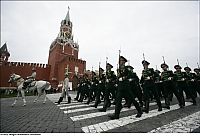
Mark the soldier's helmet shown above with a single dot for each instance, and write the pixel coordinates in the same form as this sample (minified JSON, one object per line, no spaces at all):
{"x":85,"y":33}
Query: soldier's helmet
{"x":33,"y":69}
{"x":177,"y":67}
{"x":145,"y":62}
{"x":187,"y":68}
{"x":109,"y":65}
{"x":123,"y":59}
{"x":197,"y":70}
{"x":164,"y":65}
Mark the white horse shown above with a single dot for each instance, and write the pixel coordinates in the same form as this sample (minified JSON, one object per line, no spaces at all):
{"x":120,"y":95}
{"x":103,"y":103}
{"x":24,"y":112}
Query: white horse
{"x":38,"y":85}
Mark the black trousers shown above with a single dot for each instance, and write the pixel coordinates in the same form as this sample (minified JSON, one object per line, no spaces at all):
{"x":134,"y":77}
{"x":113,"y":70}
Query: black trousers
{"x":110,"y":88}
{"x":123,"y":91}
{"x":150,"y":90}
{"x":100,"y":89}
{"x":169,"y":88}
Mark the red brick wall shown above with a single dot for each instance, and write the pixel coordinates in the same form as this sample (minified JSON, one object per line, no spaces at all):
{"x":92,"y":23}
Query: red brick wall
{"x":23,"y":69}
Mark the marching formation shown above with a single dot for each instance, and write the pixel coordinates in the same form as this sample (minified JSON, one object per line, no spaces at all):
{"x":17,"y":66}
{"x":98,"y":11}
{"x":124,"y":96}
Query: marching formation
{"x":153,"y":84}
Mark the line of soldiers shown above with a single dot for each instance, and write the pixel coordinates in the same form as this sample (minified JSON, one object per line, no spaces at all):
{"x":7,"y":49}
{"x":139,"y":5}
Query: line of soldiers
{"x":126,"y":84}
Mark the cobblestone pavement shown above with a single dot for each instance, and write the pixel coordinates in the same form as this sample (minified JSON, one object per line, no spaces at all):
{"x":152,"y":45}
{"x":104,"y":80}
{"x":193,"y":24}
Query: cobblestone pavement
{"x":79,"y":118}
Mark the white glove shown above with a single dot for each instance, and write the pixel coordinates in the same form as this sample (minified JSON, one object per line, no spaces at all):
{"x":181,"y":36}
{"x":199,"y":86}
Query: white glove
{"x":192,"y":79}
{"x":148,"y":77}
{"x":116,"y":85}
{"x":99,"y":81}
{"x":107,"y":80}
{"x":183,"y":79}
{"x":120,"y":79}
{"x":130,"y":80}
{"x":170,"y":78}
{"x":92,"y":83}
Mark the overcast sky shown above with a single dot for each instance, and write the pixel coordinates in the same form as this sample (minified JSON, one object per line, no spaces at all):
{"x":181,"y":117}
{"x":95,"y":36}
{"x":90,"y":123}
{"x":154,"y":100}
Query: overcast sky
{"x":157,"y":29}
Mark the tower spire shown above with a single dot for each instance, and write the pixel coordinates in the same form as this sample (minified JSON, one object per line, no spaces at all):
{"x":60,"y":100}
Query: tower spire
{"x":67,"y":18}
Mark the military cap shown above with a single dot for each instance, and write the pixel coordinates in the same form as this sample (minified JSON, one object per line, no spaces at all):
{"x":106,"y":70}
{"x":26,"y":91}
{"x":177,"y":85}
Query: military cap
{"x":196,"y":69}
{"x":109,"y":65}
{"x":163,"y":65}
{"x":101,"y":69}
{"x":66,"y":74}
{"x":122,"y":58}
{"x":130,"y":67}
{"x":145,"y":62}
{"x":177,"y":66}
{"x":185,"y":68}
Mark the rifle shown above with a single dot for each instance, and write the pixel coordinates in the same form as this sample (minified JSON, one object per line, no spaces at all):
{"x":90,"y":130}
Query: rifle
{"x":177,"y":61}
{"x":143,"y":56}
{"x":99,"y":69}
{"x":118,"y":63}
{"x":163,"y":59}
{"x":198,"y":65}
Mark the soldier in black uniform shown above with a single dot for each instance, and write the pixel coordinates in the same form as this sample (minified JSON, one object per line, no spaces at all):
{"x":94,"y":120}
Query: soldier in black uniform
{"x":124,"y":90}
{"x":109,"y":87}
{"x":85,"y":88}
{"x":179,"y":78}
{"x":190,"y":81}
{"x":169,"y":86}
{"x":93,"y":89}
{"x":148,"y":85}
{"x":79,"y":88}
{"x":197,"y":80}
{"x":135,"y":87}
{"x":100,"y":87}
{"x":158,"y":83}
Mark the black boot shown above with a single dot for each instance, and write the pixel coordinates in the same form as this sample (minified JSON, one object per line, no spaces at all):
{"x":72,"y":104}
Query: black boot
{"x":60,"y":100}
{"x":102,"y":110}
{"x":69,"y":100}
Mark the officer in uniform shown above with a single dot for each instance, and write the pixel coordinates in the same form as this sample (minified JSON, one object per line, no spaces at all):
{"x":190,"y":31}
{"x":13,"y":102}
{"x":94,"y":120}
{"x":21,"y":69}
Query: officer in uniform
{"x":169,"y":87}
{"x":190,"y":81}
{"x":158,"y":83}
{"x":124,"y":90}
{"x":179,"y":78}
{"x":93,"y":88}
{"x":65,"y":90}
{"x":197,"y":80}
{"x":100,"y":87}
{"x":109,"y":87}
{"x":30,"y":79}
{"x":135,"y":87}
{"x":79,"y":88}
{"x":85,"y":89}
{"x":148,"y":85}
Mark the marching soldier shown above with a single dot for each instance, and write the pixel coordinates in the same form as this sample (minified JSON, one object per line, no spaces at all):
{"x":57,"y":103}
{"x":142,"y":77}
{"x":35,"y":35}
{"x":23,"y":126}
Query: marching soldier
{"x":93,"y":88}
{"x":100,"y":87}
{"x":109,"y":87}
{"x":158,"y":83}
{"x":181,"y":85}
{"x":65,"y":90}
{"x":85,"y":89}
{"x":135,"y":87}
{"x":148,"y":85}
{"x":197,"y":80}
{"x":79,"y":88}
{"x":190,"y":81}
{"x":124,"y":90}
{"x":169,"y":87}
